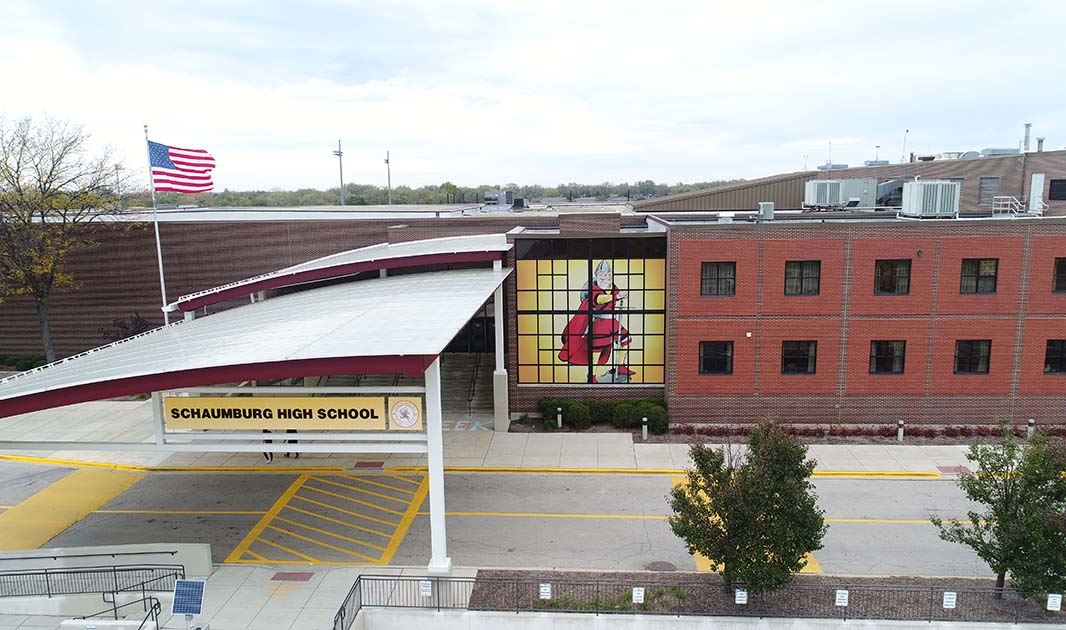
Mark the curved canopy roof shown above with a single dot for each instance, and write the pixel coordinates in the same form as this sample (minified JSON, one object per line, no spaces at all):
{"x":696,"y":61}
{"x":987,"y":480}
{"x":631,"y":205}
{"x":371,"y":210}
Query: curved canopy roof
{"x":396,"y":324}
{"x":455,"y":249}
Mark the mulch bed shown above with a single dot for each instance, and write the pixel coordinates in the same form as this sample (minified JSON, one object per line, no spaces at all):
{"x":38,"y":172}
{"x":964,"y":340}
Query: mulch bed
{"x":811,"y":596}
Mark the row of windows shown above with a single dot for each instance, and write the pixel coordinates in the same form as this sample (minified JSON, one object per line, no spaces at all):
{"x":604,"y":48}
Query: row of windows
{"x":891,"y":277}
{"x":886,"y":357}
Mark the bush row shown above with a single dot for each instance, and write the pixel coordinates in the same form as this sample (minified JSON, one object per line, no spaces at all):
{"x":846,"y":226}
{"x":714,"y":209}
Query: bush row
{"x":626,"y":414}
{"x":719,"y":430}
{"x":20,"y":363}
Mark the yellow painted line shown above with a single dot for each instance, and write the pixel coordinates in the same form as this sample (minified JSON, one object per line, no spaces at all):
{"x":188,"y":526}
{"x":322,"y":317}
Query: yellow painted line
{"x":188,"y":512}
{"x":357,"y":489}
{"x":329,"y":533}
{"x":413,"y":483}
{"x":811,"y":565}
{"x":326,"y":545}
{"x":663,"y":517}
{"x":363,"y":479}
{"x":873,"y":474}
{"x":46,"y":514}
{"x":360,"y":502}
{"x":77,"y":463}
{"x":338,"y":521}
{"x":405,"y":522}
{"x":344,"y":511}
{"x":287,"y":550}
{"x":255,"y":532}
{"x":256,"y":556}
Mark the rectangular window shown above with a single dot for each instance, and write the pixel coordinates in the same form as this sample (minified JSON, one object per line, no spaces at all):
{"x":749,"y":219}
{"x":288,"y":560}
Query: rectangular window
{"x":886,"y":357}
{"x":892,"y":277}
{"x":718,"y":278}
{"x":802,"y":277}
{"x":1057,"y":190}
{"x":979,"y":275}
{"x":1055,"y":358}
{"x":798,"y":357}
{"x":716,"y":357}
{"x":971,"y":356}
{"x":987,"y":188}
{"x":1060,"y":275}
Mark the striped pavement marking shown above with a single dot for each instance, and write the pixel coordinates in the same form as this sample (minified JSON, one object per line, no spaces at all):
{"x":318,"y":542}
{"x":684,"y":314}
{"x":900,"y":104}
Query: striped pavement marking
{"x":335,"y":519}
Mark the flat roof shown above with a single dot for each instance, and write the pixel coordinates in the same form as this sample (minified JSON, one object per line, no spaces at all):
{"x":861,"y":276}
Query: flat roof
{"x":392,"y":324}
{"x":381,"y":256}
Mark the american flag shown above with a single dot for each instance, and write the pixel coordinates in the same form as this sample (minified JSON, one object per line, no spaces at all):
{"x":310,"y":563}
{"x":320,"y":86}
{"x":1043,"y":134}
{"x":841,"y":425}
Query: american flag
{"x":180,"y":170}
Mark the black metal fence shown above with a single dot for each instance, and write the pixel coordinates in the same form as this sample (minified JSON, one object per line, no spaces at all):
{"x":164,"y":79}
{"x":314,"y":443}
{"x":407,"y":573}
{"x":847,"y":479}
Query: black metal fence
{"x":830,"y":601}
{"x":75,"y":581}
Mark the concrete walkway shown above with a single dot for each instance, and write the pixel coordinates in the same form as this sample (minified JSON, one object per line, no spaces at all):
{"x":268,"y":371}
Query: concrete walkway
{"x":130,"y":421}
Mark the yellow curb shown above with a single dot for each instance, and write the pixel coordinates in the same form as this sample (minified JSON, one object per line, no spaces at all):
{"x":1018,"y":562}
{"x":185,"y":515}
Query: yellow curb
{"x":889,"y":474}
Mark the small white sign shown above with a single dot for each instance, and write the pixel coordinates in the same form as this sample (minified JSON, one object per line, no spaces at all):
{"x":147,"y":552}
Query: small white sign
{"x":949,"y":600}
{"x":842,"y":597}
{"x":638,"y":594}
{"x":425,"y":588}
{"x":741,"y":596}
{"x":1054,"y":601}
{"x":545,"y":591}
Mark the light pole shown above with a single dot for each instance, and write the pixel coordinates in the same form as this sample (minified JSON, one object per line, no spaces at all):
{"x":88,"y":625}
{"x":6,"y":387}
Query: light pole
{"x":118,"y":186}
{"x":903,"y":158}
{"x":388,"y":172}
{"x":340,"y":164}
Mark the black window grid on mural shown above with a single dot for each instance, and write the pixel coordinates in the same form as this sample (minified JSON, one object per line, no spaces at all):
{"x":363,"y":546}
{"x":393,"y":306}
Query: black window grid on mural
{"x":623,"y":345}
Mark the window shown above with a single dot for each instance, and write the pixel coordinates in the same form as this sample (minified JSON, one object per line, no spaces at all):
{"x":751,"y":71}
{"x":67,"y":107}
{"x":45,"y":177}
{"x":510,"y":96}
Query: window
{"x":979,"y":275}
{"x":892,"y":277}
{"x":987,"y":188}
{"x":886,"y":357}
{"x":1060,"y":274}
{"x":798,"y":357}
{"x":1057,"y":190}
{"x":1055,"y":358}
{"x":802,"y":277}
{"x":716,"y":357}
{"x":971,"y":357}
{"x":718,"y":278}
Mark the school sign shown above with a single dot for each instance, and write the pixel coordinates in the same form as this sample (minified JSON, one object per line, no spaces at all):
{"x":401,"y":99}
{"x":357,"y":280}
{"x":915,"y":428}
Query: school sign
{"x":303,"y":413}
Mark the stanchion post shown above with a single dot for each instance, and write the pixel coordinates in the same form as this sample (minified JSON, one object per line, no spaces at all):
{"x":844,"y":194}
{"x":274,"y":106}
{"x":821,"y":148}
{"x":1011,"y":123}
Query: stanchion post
{"x":899,"y":432}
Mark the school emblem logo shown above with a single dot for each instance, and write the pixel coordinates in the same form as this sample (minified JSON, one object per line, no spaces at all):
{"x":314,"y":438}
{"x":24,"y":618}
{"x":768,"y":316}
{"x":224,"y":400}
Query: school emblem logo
{"x":404,"y":414}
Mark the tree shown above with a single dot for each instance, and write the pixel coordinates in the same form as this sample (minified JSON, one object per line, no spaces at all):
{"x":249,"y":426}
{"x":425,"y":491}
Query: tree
{"x":50,"y":188}
{"x":755,"y":517}
{"x":1022,"y":530}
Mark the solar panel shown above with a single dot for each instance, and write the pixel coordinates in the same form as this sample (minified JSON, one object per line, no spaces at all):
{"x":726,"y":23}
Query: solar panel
{"x":188,"y":597}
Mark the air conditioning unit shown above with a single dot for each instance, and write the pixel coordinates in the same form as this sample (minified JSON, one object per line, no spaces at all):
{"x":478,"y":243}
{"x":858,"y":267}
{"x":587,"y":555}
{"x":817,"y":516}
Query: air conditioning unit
{"x":930,"y":199}
{"x":851,"y":192}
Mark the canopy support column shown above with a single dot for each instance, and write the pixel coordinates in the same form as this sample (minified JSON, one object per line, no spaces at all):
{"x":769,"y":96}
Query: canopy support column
{"x":439,"y":562}
{"x":501,"y":407}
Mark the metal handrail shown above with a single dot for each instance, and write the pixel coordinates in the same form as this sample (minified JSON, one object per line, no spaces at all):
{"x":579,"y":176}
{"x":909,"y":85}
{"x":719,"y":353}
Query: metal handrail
{"x":91,"y":555}
{"x":51,"y":582}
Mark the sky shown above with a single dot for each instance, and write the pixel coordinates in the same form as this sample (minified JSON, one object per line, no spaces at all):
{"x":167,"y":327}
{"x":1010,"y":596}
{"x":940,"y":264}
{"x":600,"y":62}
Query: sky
{"x":539,"y":91}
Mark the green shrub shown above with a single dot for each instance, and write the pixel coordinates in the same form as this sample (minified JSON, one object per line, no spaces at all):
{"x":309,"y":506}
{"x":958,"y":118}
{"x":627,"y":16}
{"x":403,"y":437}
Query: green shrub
{"x":602,"y":411}
{"x":25,"y":363}
{"x":576,"y":415}
{"x":626,"y":416}
{"x":547,"y":408}
{"x":656,"y":400}
{"x":658,"y":419}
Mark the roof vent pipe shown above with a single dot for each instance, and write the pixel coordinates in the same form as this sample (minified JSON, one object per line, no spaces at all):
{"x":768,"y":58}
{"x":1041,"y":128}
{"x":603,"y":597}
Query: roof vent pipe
{"x":1039,"y":145}
{"x":1025,"y":143}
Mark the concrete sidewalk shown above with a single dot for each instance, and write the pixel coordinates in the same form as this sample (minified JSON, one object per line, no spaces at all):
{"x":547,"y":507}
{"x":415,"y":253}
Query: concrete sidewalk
{"x":130,"y":421}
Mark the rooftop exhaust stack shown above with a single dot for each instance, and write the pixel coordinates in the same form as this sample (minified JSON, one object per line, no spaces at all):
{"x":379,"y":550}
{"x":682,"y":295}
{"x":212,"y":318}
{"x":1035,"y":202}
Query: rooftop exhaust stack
{"x":766,"y":211}
{"x":1025,"y":143}
{"x":1039,"y":144}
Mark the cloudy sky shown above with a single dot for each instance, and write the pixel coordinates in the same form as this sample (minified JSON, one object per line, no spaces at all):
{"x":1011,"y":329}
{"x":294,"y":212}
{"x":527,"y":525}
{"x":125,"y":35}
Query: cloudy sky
{"x":538,"y":91}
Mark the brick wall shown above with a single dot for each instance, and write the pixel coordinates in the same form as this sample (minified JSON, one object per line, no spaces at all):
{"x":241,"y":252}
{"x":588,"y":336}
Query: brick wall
{"x":847,"y":315}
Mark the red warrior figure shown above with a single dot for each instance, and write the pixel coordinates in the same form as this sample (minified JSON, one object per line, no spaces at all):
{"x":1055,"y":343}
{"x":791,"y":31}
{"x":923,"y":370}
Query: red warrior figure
{"x":601,"y":333}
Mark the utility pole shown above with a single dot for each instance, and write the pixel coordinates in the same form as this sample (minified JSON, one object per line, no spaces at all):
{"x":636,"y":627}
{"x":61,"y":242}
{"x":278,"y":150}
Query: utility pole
{"x":340,"y":163}
{"x":118,"y":186}
{"x":388,"y":172}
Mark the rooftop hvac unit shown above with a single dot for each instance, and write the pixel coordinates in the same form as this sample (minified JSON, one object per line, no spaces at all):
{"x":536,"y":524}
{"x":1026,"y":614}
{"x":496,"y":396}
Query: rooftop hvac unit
{"x":853,"y":193}
{"x":929,"y":199}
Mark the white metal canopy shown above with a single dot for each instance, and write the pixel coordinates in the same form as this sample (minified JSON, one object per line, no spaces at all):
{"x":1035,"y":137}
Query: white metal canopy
{"x":403,"y":315}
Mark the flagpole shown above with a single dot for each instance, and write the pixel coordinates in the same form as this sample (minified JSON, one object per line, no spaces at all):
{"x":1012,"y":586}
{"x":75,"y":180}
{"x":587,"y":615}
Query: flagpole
{"x":155,"y":220}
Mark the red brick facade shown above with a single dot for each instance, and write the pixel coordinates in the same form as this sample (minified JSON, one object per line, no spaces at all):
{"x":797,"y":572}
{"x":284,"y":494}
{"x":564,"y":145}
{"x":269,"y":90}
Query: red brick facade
{"x":846,"y":315}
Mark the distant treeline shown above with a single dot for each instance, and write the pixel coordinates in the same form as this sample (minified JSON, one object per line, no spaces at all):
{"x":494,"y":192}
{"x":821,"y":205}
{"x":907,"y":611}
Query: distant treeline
{"x":362,"y":194}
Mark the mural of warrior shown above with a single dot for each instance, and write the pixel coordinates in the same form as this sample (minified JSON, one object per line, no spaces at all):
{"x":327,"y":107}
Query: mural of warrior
{"x":595,"y":331}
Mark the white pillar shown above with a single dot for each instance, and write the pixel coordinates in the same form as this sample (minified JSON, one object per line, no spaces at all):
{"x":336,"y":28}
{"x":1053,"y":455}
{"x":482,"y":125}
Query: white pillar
{"x":157,"y":416}
{"x":501,"y":408}
{"x":383,"y":273}
{"x":439,"y":562}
